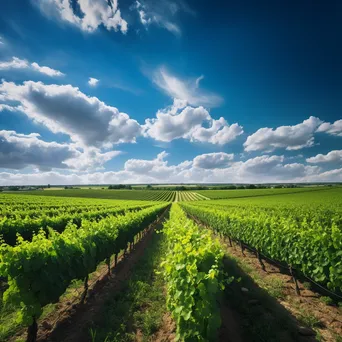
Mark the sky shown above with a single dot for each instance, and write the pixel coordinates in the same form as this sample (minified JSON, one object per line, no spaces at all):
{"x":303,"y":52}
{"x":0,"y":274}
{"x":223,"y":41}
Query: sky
{"x":170,"y":91}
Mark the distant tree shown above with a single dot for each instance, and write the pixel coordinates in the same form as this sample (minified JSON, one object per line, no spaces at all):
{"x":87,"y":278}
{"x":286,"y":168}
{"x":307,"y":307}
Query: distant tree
{"x":251,"y":186}
{"x":149,"y":187}
{"x":120,"y":186}
{"x":49,"y":186}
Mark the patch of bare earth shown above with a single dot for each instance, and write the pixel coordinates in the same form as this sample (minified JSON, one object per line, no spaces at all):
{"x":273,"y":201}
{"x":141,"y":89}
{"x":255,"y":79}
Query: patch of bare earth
{"x":70,"y":320}
{"x":73,"y":324}
{"x":308,"y":310}
{"x":166,"y":332}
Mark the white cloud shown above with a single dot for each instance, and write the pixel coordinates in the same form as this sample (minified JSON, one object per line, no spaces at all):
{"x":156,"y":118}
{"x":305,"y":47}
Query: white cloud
{"x":333,"y":129}
{"x":334,"y":175}
{"x":91,"y":158}
{"x":93,"y":81}
{"x":262,"y":169}
{"x":17,"y":63}
{"x":177,"y":122}
{"x":260,"y":165}
{"x":156,"y":15}
{"x":218,"y":133}
{"x":213,"y":160}
{"x":332,"y":157}
{"x":46,"y":70}
{"x":142,"y":166}
{"x":7,"y":107}
{"x":289,"y":137}
{"x":93,"y":13}
{"x":154,"y":169}
{"x":186,"y":90}
{"x":65,"y":109}
{"x":18,"y":151}
{"x":2,"y":41}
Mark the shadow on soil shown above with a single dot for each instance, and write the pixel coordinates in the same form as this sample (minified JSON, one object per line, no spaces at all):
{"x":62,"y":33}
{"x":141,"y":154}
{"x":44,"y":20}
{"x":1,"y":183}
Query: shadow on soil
{"x":256,"y":315}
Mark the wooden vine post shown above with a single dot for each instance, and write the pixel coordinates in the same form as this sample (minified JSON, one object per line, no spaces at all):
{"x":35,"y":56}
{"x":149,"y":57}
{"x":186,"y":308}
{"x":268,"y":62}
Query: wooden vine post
{"x":295,"y":280}
{"x":108,"y":264}
{"x":230,"y":241}
{"x":84,"y":294}
{"x":32,"y":331}
{"x":242,"y":248}
{"x":260,"y":260}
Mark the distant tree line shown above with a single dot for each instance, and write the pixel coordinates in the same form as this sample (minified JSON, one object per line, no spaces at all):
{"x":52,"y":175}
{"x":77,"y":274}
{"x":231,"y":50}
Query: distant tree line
{"x":200,"y":187}
{"x":120,"y":186}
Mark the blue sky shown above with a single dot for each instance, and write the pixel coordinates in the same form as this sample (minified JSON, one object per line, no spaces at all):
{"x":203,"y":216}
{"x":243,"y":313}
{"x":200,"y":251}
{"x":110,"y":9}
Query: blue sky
{"x":170,"y":91}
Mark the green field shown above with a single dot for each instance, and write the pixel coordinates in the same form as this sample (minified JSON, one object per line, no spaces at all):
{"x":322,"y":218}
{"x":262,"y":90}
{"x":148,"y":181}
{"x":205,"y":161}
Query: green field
{"x":54,"y":240}
{"x":221,"y":194}
{"x":137,"y":195}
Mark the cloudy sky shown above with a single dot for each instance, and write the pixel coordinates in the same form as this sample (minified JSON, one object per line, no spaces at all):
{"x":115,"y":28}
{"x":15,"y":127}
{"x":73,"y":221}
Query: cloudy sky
{"x":113,"y":91}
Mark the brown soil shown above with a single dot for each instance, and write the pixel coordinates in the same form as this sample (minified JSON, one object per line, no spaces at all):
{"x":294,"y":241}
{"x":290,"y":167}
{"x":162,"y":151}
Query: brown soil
{"x":327,"y":318}
{"x":249,"y":310}
{"x":71,"y":326}
{"x":70,"y":322}
{"x":230,"y":330}
{"x":166,"y":333}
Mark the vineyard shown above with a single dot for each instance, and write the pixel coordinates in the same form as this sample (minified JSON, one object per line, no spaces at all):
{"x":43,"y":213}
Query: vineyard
{"x":226,"y":194}
{"x":53,"y":243}
{"x":140,"y":195}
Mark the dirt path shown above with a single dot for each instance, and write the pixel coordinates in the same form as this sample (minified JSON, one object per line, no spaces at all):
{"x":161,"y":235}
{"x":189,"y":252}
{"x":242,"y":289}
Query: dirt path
{"x":72,"y":324}
{"x":271,"y":294}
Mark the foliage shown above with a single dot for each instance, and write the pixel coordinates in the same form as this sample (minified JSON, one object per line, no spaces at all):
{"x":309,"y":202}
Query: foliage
{"x":193,"y":272}
{"x":120,"y":186}
{"x":254,"y":191}
{"x":39,"y":272}
{"x":26,"y":218}
{"x":308,"y":237}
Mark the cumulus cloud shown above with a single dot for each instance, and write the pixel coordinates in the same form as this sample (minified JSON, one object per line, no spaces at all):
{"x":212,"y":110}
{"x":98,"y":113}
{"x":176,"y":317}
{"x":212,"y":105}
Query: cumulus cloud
{"x":157,"y":168}
{"x":331,"y":157}
{"x":7,"y":107}
{"x":177,"y":122}
{"x":260,"y":165}
{"x":90,"y":158}
{"x":333,"y":129}
{"x":65,"y":109}
{"x":142,"y":166}
{"x":186,"y":90}
{"x":262,"y":169}
{"x":289,"y":137}
{"x":90,"y":14}
{"x":18,"y":151}
{"x":93,"y":81}
{"x":46,"y":70}
{"x":213,"y":160}
{"x":17,"y":63}
{"x":159,"y":13}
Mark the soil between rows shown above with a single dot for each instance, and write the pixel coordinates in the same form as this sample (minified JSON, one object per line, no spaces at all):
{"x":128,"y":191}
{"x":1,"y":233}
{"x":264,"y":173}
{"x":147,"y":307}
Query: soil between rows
{"x":72,"y":325}
{"x":254,"y":315}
